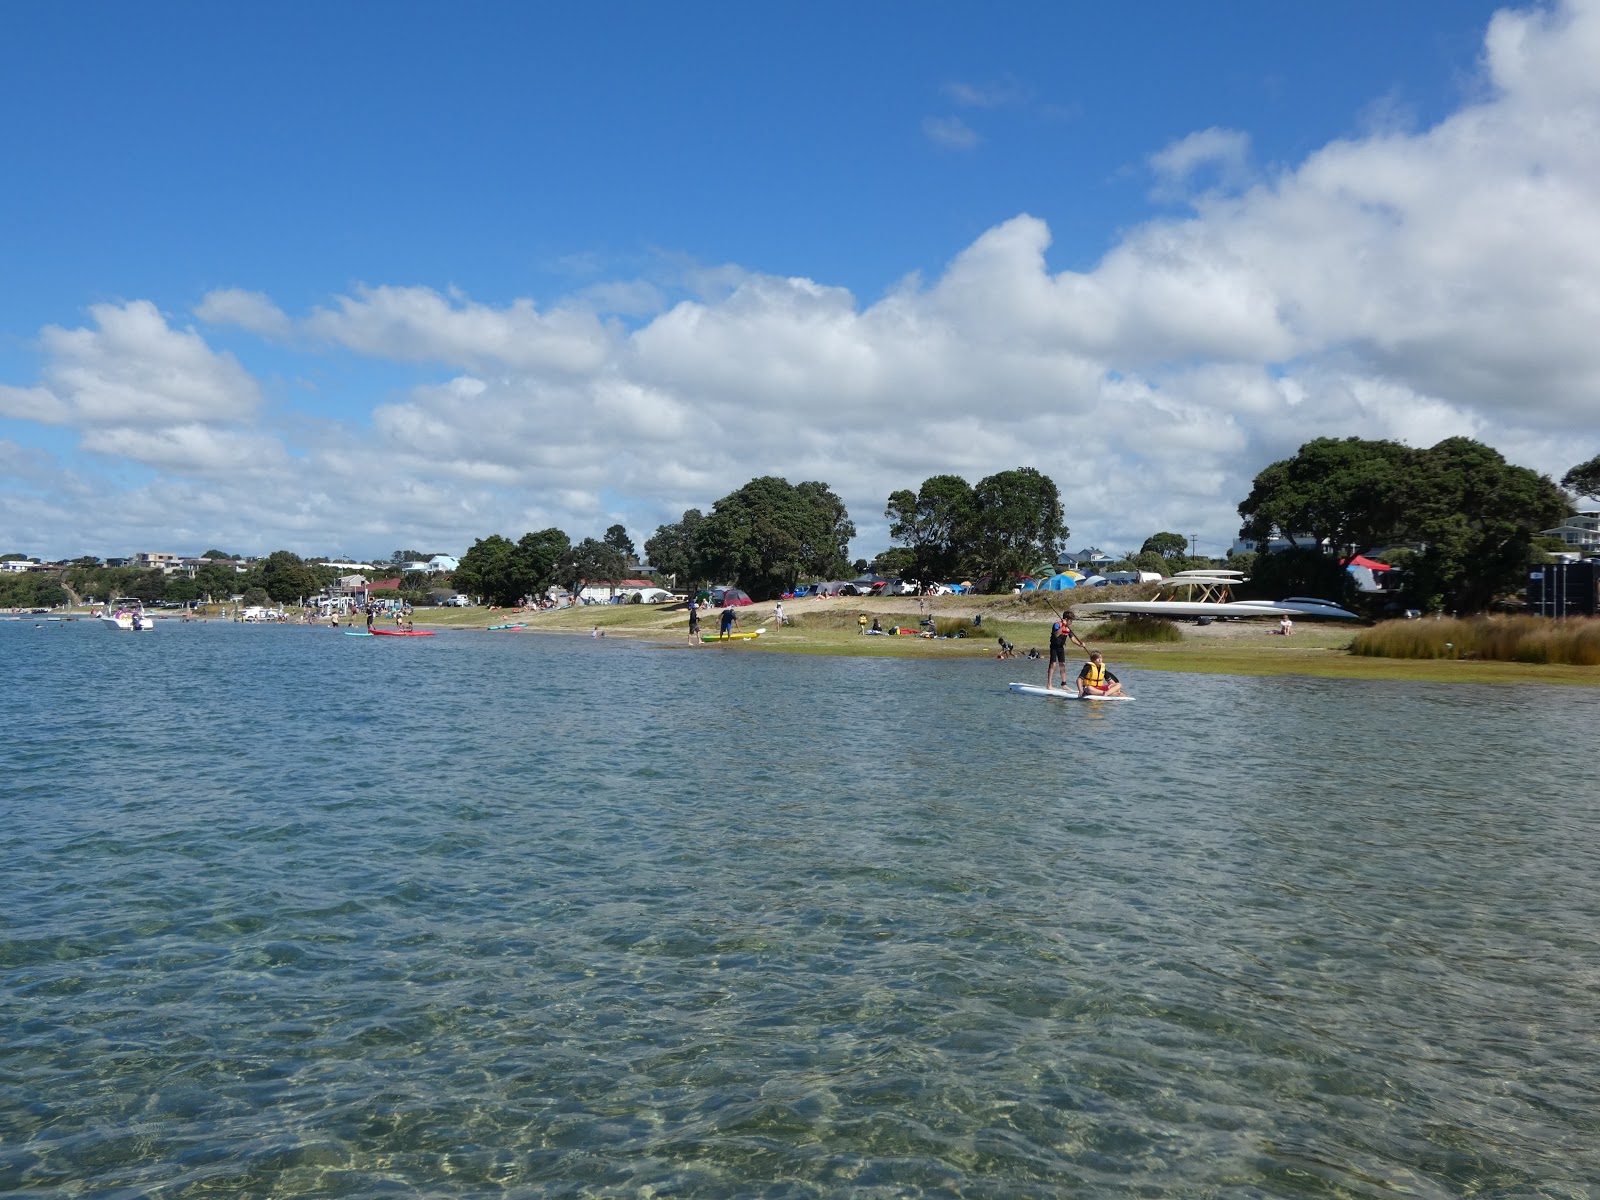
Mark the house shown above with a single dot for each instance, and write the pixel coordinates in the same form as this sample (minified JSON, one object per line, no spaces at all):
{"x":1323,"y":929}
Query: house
{"x":439,"y":563}
{"x":1580,"y":532}
{"x":1091,"y":556}
{"x":16,"y":566}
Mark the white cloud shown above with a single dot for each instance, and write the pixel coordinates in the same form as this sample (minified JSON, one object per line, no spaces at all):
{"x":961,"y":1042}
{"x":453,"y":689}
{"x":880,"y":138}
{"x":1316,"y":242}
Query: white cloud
{"x":951,"y":132}
{"x":415,"y":324}
{"x":248,"y":310}
{"x":134,"y":369}
{"x":1396,"y":284}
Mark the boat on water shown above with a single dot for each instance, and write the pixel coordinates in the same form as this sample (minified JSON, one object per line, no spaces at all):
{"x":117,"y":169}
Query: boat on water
{"x":1210,"y":594}
{"x":126,"y":612}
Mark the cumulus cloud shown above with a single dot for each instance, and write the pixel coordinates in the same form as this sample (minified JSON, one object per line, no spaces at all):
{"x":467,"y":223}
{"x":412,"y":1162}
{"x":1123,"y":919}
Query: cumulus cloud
{"x":1407,"y":284}
{"x":417,"y":324}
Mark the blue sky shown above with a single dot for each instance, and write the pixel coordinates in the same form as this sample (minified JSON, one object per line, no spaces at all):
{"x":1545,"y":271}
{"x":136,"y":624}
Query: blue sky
{"x":352,"y":277}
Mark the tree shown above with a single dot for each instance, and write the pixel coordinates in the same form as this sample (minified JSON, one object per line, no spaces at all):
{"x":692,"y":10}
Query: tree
{"x":590,"y":562}
{"x":400,"y":557}
{"x":896,"y":563}
{"x":1474,"y":514}
{"x":672,"y":550}
{"x":770,"y":532}
{"x":217,"y":554}
{"x":617,"y":538}
{"x":1345,"y":493}
{"x":1017,"y":522}
{"x":217,"y":581}
{"x":1477,"y":516}
{"x":539,"y":558}
{"x":286,"y":577}
{"x":1167,"y":545}
{"x":1584,"y":479}
{"x":935,"y":525}
{"x":492,"y":569}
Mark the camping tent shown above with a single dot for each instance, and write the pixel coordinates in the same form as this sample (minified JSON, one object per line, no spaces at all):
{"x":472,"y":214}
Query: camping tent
{"x":732,"y":598}
{"x":1061,"y":582}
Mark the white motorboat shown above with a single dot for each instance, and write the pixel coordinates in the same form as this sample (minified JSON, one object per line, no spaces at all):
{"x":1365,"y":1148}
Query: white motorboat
{"x":1210,"y":594}
{"x":126,"y":612}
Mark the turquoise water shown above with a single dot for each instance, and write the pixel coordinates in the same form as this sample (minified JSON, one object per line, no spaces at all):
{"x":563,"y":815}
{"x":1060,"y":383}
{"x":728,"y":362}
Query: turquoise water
{"x":293,"y":914}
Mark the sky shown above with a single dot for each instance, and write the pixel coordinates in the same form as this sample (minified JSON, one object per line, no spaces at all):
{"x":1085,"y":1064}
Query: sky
{"x":346,"y":279}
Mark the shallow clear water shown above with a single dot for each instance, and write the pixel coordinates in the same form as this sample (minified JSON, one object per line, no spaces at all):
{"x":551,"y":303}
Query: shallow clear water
{"x":288,"y":913}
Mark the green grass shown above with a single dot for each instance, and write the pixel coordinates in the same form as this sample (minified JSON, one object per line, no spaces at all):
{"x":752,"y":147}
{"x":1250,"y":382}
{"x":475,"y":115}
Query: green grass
{"x":830,"y":628}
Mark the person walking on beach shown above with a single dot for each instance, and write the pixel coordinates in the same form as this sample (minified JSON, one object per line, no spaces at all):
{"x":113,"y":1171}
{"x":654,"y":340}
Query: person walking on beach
{"x":729,"y":616}
{"x":777,"y":614}
{"x":861,"y":623}
{"x":694,"y":623}
{"x":1060,"y":634}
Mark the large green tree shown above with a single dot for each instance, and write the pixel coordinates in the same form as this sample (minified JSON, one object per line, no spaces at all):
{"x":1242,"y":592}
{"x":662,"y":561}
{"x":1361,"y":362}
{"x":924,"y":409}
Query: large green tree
{"x":935,"y":523}
{"x":1018,"y":524}
{"x":539,"y":557}
{"x":1346,"y":493}
{"x":1474,"y":515}
{"x":1166,"y":545}
{"x":770,"y":533}
{"x":492,"y":569}
{"x":672,"y":550}
{"x":287,"y":577}
{"x":1477,"y":517}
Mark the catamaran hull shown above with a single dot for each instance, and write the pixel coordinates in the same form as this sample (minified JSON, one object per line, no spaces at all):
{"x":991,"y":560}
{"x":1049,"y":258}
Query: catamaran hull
{"x":1233,"y":608}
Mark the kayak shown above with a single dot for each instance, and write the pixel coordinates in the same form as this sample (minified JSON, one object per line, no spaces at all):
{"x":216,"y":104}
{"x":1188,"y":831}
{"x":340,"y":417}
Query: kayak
{"x":492,"y":628}
{"x":732,"y":637}
{"x":403,"y":632}
{"x":1033,"y":689}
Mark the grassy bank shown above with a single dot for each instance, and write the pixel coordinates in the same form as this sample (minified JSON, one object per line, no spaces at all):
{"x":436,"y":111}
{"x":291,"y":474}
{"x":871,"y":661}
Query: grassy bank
{"x":831,"y":627}
{"x":1574,"y":641}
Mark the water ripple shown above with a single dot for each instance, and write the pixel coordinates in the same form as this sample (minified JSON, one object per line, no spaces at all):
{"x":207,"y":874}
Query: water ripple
{"x":292,"y":914}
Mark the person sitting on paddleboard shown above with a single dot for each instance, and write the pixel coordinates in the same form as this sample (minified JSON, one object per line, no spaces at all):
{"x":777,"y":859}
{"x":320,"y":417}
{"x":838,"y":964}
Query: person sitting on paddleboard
{"x":1095,"y":680}
{"x":1060,"y":632}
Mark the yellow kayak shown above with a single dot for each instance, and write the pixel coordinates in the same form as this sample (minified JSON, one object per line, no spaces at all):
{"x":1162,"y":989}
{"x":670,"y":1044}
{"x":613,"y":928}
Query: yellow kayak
{"x":732,"y":637}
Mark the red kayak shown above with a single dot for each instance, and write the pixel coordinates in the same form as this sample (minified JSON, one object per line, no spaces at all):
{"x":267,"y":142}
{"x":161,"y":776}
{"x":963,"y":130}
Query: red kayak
{"x":403,"y":632}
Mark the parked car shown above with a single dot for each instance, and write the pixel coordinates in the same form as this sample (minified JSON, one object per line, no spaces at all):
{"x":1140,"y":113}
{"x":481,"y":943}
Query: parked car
{"x":457,"y":601}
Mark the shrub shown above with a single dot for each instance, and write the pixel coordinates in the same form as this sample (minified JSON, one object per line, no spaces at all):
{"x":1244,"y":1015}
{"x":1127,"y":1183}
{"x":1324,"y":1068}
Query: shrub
{"x":1139,"y":629}
{"x":955,"y":627}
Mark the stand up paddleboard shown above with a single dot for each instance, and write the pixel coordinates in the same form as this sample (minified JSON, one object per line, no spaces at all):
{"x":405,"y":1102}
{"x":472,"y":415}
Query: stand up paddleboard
{"x":358,"y":633}
{"x":1033,"y":689}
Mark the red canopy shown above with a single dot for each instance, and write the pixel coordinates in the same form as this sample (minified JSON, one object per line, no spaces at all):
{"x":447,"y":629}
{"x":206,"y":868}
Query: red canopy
{"x":1370,"y":563}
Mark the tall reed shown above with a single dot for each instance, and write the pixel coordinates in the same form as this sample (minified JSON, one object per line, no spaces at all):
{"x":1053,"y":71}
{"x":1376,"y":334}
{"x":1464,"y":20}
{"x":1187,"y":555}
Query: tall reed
{"x":1138,"y":628}
{"x":1574,"y":641}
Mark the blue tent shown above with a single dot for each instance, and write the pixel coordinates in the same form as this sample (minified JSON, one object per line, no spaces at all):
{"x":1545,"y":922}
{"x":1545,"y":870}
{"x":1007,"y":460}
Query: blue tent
{"x":1060,"y":582}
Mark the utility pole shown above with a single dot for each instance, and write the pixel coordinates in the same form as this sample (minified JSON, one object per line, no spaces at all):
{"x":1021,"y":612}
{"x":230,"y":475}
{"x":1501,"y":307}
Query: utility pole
{"x":1194,"y":543}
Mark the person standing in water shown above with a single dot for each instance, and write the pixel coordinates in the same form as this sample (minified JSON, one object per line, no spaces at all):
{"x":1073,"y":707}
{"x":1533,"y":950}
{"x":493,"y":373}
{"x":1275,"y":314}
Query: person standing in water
{"x":694,"y":622}
{"x":1060,"y":634}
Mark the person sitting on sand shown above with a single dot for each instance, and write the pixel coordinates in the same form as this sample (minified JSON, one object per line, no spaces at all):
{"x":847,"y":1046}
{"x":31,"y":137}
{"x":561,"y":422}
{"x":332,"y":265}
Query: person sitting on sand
{"x":876,"y":628}
{"x":1286,"y":626}
{"x":1095,"y":680}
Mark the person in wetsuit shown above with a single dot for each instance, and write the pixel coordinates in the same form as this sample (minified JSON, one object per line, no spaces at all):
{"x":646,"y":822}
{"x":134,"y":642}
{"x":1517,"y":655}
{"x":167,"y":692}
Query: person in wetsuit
{"x":1060,"y":634}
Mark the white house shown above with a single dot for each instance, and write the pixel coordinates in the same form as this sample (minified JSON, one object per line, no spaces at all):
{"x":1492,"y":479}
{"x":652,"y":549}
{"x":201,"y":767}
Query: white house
{"x":1580,"y":531}
{"x":434,"y":565}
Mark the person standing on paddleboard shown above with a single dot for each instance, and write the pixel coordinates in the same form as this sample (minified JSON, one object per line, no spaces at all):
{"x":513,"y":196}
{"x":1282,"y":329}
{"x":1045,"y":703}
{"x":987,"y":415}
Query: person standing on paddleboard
{"x":1095,"y":680}
{"x":1060,"y":634}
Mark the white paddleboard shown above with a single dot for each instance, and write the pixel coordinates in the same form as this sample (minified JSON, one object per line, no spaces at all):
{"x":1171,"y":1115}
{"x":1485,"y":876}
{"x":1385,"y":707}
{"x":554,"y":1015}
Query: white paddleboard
{"x":1033,"y":689}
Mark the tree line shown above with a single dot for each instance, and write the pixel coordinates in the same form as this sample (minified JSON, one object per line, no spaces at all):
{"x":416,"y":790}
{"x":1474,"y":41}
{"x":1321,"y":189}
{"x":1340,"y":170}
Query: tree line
{"x":1461,"y":522}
